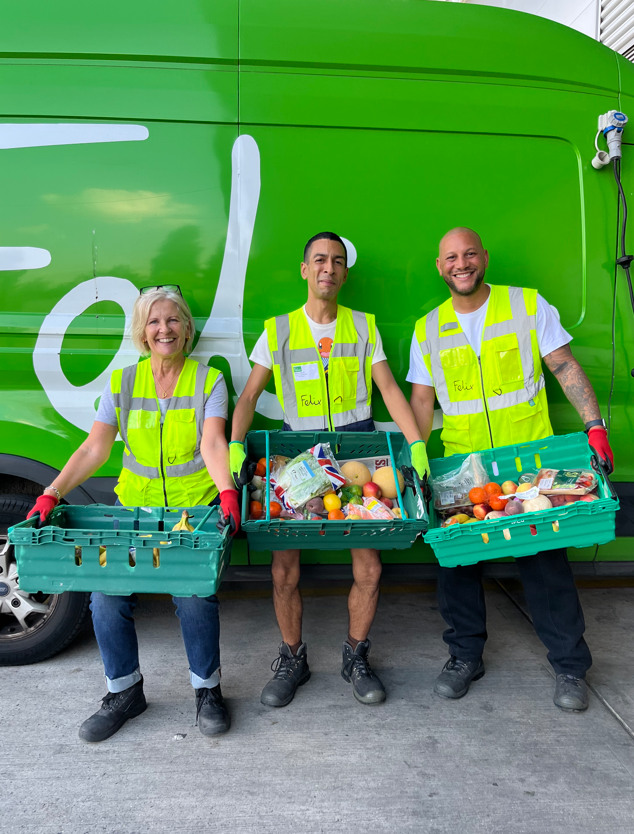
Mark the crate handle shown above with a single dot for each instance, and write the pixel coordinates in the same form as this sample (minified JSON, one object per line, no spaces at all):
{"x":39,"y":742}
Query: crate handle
{"x":203,"y":519}
{"x":603,"y":471}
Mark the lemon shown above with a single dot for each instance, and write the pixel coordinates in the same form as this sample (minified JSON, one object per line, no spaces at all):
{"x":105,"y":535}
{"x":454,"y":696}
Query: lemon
{"x":332,"y":502}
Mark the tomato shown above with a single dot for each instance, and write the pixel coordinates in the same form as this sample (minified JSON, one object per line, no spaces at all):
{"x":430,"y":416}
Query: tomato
{"x":477,"y":495}
{"x":255,"y":510}
{"x":336,"y":515}
{"x":260,"y":467}
{"x":276,"y":509}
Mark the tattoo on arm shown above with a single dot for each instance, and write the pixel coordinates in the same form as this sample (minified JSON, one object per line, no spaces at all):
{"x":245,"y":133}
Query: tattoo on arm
{"x":574,"y":382}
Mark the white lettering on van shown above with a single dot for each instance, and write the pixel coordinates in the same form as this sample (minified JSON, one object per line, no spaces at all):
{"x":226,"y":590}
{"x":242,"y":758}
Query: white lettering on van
{"x":222,"y":334}
{"x":45,"y":135}
{"x":23,"y":257}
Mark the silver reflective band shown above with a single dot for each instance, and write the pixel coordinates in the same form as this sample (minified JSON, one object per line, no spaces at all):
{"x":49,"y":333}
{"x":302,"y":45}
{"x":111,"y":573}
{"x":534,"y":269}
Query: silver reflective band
{"x":284,"y":357}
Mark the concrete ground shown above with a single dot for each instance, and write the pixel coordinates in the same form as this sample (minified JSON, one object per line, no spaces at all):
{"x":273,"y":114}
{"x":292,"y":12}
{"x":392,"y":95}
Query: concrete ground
{"x":502,"y":759}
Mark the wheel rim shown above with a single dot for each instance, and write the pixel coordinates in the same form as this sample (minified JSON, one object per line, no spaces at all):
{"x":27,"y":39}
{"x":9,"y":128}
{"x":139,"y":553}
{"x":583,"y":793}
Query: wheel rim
{"x":21,"y":614}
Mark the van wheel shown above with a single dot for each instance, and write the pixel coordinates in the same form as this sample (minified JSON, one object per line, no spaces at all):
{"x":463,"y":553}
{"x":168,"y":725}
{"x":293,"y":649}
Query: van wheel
{"x":32,"y":626}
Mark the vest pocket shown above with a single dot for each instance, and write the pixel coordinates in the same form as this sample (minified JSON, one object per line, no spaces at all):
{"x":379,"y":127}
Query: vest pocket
{"x":456,"y":434}
{"x":345,"y":381}
{"x":529,"y":422}
{"x":179,"y":436}
{"x":508,"y":360}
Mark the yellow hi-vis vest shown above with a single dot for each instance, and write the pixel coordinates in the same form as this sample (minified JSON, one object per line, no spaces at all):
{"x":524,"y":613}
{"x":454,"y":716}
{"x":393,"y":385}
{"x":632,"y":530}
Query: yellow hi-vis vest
{"x":309,"y":400}
{"x":162,"y":464}
{"x":499,"y":398}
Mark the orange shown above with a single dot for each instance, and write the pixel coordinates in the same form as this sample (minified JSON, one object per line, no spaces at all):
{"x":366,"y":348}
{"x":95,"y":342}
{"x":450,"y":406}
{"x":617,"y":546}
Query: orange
{"x":335,"y":515}
{"x":477,"y":495}
{"x":492,"y":489}
{"x":255,"y":510}
{"x":332,"y":502}
{"x":276,"y":509}
{"x":497,"y":502}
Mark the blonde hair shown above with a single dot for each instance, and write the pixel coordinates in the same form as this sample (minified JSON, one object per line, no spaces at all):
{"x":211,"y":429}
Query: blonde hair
{"x":141,"y":313}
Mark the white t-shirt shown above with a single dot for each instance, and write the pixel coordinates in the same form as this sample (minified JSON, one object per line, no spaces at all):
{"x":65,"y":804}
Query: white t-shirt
{"x":323,"y":334}
{"x":550,"y":336}
{"x":216,"y":404}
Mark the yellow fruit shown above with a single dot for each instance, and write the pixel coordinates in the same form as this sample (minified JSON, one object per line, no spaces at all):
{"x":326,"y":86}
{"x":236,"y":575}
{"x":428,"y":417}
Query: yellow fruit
{"x":332,"y":502}
{"x":524,"y":487}
{"x":356,"y":472}
{"x":384,"y":477}
{"x":458,"y":518}
{"x":183,"y":523}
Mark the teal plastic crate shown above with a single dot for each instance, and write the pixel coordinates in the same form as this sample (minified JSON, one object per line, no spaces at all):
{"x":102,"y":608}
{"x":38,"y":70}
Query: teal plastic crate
{"x":142,"y":554}
{"x":580,"y":524}
{"x":281,"y":534}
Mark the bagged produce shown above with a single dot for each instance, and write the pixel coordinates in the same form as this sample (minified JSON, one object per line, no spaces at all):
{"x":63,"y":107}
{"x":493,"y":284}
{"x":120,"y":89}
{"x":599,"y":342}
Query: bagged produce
{"x":300,"y":480}
{"x":451,"y":490}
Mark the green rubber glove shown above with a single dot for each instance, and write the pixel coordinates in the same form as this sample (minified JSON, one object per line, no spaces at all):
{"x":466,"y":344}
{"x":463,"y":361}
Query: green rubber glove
{"x":241,"y":470}
{"x":420,"y":461}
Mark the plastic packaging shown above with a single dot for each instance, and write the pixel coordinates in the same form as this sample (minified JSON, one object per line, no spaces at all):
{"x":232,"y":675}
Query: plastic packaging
{"x":451,"y":490}
{"x":565,"y":481}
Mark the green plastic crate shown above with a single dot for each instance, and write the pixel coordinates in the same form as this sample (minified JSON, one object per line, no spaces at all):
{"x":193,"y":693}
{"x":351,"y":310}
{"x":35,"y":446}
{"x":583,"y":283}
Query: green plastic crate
{"x":64,"y":554}
{"x":580,"y":524}
{"x":282,"y":534}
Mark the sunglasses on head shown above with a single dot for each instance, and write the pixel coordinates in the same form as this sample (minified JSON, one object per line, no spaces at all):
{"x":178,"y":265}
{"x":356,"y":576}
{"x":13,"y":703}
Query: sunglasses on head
{"x":165,"y":287}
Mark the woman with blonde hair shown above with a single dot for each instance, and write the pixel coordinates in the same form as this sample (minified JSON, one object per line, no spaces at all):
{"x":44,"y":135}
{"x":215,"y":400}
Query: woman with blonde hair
{"x":170,"y":412}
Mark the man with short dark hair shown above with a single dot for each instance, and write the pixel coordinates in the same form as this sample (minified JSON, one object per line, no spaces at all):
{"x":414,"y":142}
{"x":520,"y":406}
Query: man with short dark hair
{"x":480,"y":355}
{"x":324,"y":358}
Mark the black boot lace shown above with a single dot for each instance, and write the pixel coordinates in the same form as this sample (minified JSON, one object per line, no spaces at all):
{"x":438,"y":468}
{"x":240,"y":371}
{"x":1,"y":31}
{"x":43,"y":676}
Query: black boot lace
{"x":207,"y":696}
{"x":285,"y":667}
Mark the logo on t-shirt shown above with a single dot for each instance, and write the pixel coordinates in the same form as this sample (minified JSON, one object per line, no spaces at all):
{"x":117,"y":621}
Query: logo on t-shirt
{"x":325,"y":346}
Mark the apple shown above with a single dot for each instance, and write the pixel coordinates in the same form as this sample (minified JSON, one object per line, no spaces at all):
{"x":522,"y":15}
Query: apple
{"x":558,"y":500}
{"x":509,"y":488}
{"x":387,"y":501}
{"x":480,"y":511}
{"x":589,"y":497}
{"x":371,"y":490}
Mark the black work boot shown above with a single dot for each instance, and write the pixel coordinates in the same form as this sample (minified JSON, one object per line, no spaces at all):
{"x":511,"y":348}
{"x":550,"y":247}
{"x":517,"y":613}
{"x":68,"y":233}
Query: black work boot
{"x":212,"y":714}
{"x":571,"y":693}
{"x":456,"y":677}
{"x":291,"y":670}
{"x":366,"y":686}
{"x":115,"y":710}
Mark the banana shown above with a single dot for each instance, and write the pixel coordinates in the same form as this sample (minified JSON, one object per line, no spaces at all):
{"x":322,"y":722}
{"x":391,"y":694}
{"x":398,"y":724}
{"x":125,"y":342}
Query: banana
{"x":183,"y":524}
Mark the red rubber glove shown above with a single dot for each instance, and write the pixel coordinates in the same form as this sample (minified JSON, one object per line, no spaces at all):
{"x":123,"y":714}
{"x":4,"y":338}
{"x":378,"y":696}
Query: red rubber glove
{"x":229,"y":511}
{"x":598,"y":440}
{"x":43,"y":506}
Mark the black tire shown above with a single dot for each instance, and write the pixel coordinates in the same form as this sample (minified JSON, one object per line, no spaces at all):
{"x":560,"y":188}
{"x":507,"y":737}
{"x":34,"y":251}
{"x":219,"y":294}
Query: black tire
{"x":59,"y":618}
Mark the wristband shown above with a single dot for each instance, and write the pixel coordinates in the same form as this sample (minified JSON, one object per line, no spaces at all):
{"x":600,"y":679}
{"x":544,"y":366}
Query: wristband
{"x":592,"y":423}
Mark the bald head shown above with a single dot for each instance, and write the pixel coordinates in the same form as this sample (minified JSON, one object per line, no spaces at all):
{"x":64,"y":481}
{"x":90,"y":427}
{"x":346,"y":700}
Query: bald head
{"x":461,"y":230}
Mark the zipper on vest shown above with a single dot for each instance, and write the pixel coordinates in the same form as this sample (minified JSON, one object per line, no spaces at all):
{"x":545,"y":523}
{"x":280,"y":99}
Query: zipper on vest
{"x":161,"y":465}
{"x":330,"y":425}
{"x":484,"y":401}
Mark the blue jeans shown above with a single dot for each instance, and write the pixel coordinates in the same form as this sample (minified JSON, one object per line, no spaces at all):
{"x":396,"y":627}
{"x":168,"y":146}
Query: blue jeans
{"x":113,"y":620}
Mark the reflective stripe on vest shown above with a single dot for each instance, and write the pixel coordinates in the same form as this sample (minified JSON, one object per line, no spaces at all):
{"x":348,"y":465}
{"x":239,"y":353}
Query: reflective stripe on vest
{"x":509,"y":369}
{"x":150,"y":448}
{"x":308,"y":402}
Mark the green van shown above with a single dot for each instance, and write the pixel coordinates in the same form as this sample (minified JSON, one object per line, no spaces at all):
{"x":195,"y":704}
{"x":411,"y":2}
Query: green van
{"x":203,"y":143}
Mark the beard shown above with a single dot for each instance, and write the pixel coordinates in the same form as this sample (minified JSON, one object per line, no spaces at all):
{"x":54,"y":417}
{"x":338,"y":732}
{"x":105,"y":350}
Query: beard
{"x":477,"y":283}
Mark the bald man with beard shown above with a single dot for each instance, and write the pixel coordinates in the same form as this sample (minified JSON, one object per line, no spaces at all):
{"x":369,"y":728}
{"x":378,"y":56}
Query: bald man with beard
{"x":480,"y":354}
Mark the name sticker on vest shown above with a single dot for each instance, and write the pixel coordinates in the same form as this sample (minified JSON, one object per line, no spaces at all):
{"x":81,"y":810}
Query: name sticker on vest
{"x":303,"y":373}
